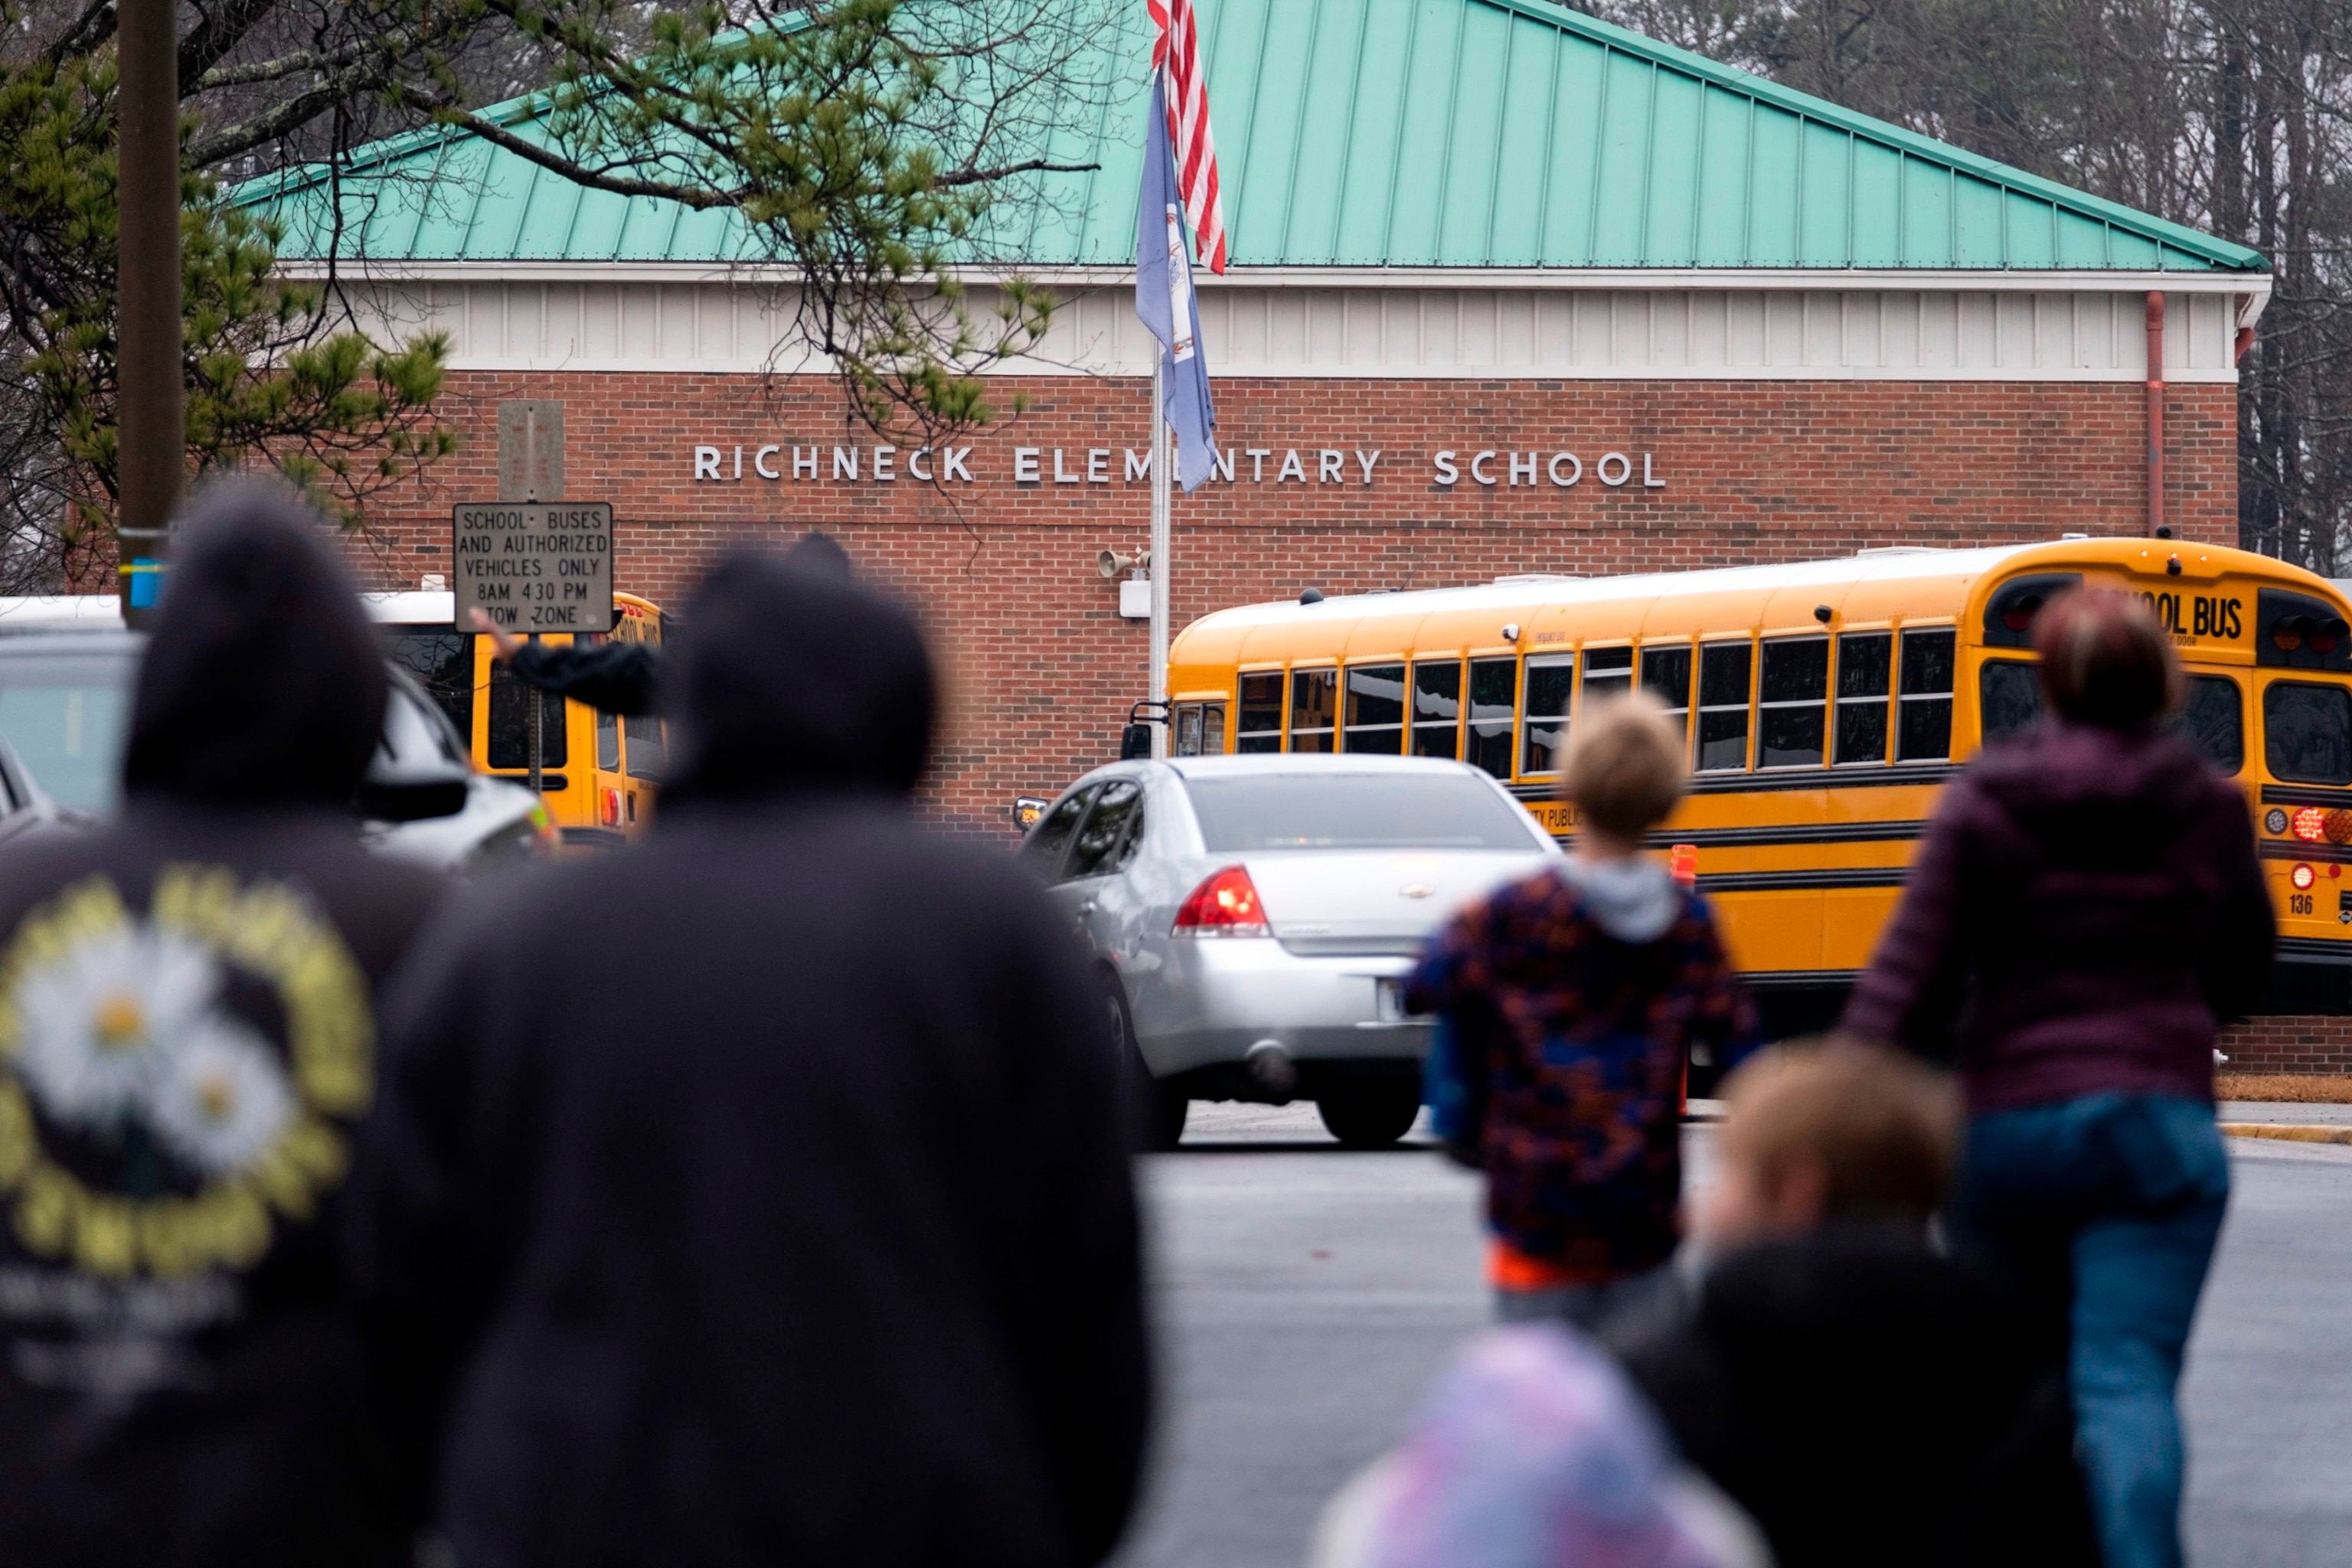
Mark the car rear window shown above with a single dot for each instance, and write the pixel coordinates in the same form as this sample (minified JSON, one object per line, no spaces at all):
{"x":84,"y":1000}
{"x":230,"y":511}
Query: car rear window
{"x":1329,"y":810}
{"x":66,"y":718}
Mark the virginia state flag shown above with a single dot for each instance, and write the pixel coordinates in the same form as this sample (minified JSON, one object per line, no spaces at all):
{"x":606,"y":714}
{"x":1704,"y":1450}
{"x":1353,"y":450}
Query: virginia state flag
{"x":1163,"y":298}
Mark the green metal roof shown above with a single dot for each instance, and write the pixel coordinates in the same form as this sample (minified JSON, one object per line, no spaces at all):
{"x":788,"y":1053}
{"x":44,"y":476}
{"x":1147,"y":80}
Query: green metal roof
{"x":1373,"y":133}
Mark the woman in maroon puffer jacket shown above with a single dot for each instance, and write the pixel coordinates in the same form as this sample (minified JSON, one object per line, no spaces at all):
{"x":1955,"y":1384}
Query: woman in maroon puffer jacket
{"x":2086,"y":912}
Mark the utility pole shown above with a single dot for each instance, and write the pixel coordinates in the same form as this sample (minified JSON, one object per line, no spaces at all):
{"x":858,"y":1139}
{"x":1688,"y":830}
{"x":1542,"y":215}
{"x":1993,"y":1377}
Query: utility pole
{"x":151,"y":454}
{"x":531,"y":469}
{"x":1163,"y":458}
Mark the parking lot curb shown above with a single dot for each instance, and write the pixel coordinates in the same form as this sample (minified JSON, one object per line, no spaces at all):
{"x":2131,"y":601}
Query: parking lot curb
{"x":2286,"y":1132}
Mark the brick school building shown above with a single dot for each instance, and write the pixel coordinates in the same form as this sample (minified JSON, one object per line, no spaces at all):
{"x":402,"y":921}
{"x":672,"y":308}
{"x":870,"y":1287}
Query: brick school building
{"x":1512,"y":291}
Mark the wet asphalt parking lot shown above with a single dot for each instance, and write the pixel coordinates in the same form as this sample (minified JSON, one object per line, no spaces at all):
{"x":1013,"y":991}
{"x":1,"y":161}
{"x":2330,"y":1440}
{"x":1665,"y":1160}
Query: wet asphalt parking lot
{"x":1306,"y":1294}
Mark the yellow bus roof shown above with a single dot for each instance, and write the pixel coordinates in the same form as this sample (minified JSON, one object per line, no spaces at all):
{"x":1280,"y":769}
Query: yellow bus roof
{"x":1871,"y":588}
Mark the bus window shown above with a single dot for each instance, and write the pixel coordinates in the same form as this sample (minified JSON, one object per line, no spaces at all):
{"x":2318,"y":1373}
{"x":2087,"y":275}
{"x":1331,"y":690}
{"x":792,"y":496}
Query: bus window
{"x":1375,"y":717}
{"x":1792,"y":698}
{"x":1608,"y":672}
{"x":2213,"y":720}
{"x":1200,"y":729}
{"x":510,"y":724}
{"x":648,"y":750}
{"x":1437,"y":709}
{"x":1494,"y":694}
{"x":1923,"y":719}
{"x":1865,"y":666}
{"x":2008,"y":692}
{"x":1261,"y":717}
{"x":1549,"y":679}
{"x":608,"y":742}
{"x":1666,"y":675}
{"x":1723,"y":706}
{"x":2308,"y":732}
{"x":443,"y":663}
{"x":1314,"y":704}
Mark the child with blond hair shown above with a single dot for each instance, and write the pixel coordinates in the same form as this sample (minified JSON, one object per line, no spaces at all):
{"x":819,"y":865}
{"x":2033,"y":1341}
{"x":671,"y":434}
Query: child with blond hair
{"x":1568,"y":1005}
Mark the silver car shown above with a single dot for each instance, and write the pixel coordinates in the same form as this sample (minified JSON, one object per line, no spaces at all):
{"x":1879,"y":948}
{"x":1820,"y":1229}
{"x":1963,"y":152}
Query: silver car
{"x":1252,"y":919}
{"x":65,"y":709}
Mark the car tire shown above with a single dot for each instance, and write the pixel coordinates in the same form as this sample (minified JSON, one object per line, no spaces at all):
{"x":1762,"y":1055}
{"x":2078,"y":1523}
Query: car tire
{"x":1371,"y":1116}
{"x":1155,"y":1113}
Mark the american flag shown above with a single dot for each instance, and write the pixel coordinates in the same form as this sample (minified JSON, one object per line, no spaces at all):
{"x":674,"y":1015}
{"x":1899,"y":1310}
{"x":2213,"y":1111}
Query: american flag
{"x":1177,"y":51}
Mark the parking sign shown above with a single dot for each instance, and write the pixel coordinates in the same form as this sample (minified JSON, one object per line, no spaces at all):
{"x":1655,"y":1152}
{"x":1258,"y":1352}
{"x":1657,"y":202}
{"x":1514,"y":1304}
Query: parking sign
{"x":535,"y":566}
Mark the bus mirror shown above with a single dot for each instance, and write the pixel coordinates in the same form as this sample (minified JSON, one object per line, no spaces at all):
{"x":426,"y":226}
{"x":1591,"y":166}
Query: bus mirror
{"x":1134,"y":741}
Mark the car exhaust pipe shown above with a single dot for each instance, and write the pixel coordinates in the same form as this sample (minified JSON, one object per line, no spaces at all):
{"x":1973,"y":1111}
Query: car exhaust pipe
{"x":1270,"y":1068}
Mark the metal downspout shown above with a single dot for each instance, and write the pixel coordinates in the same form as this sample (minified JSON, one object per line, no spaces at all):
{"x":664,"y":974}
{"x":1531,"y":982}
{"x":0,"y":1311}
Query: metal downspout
{"x":2155,"y":412}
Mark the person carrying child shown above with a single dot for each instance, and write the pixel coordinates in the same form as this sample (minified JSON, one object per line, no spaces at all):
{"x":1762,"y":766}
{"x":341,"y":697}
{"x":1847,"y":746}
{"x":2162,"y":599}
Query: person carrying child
{"x":1865,"y":1394}
{"x":1567,"y":1005}
{"x":2086,"y":911}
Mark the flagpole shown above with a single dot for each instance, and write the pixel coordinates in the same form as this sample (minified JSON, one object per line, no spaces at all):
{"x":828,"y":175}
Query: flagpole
{"x":1162,"y":459}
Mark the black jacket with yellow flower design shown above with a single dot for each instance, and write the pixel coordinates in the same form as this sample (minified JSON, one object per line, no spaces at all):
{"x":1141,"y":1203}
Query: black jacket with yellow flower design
{"x":187,"y":1046}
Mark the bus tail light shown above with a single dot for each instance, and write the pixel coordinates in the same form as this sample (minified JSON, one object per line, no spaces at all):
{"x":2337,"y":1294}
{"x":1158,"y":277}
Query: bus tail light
{"x":608,"y":808}
{"x":2310,"y":824}
{"x":1225,"y":905}
{"x":2323,"y":634}
{"x":2338,"y":826}
{"x":2302,"y":876}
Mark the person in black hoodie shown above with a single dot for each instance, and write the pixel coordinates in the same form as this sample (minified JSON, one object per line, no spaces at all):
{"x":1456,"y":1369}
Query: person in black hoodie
{"x":1866,"y":1396}
{"x":187,"y":1042}
{"x":759,"y":1193}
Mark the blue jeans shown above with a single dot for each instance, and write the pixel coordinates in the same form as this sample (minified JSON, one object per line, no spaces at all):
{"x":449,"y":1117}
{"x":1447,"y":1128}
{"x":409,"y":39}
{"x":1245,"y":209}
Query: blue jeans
{"x":2110,"y":1205}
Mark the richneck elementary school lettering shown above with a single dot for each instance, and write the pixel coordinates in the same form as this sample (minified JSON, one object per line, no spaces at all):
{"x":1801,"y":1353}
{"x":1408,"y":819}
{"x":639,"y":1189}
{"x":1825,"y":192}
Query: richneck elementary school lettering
{"x":779,"y":461}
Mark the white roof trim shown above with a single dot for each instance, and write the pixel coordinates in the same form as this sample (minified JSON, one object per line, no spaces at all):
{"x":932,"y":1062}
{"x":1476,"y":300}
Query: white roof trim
{"x":1715,"y":279}
{"x":588,"y":322}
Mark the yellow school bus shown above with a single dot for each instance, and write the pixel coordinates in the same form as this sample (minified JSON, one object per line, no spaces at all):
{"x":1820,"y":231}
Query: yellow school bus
{"x":1825,"y":703}
{"x":599,"y":773}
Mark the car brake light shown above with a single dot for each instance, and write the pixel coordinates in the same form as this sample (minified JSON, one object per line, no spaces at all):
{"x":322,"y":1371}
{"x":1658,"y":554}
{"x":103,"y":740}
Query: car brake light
{"x":1225,"y":905}
{"x":2310,"y":824}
